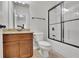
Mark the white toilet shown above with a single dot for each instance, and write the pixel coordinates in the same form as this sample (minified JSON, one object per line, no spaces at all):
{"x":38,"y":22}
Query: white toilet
{"x":43,"y":46}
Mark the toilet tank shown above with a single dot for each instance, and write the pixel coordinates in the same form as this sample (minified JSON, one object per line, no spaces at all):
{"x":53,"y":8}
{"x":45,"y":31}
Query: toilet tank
{"x":38,"y":36}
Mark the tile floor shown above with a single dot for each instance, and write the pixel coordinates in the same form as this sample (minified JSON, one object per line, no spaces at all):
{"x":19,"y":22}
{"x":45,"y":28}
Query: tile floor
{"x":54,"y":54}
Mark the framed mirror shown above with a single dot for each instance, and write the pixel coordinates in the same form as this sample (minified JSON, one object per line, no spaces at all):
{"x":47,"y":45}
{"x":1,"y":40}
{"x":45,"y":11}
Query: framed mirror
{"x":21,"y":15}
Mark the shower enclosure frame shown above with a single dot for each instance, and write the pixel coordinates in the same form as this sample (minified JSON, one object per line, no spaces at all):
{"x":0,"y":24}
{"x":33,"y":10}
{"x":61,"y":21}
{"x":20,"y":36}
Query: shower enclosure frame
{"x":62,"y":25}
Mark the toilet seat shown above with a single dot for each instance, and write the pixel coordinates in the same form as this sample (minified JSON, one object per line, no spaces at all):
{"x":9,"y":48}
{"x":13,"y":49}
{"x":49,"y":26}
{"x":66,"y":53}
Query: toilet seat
{"x":44,"y":43}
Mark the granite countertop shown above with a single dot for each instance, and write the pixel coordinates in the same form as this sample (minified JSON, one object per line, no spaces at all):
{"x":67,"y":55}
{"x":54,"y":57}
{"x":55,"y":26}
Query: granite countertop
{"x":14,"y":31}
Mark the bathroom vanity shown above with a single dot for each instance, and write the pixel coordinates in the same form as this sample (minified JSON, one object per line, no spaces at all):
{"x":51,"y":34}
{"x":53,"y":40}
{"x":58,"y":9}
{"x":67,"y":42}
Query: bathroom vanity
{"x":17,"y":44}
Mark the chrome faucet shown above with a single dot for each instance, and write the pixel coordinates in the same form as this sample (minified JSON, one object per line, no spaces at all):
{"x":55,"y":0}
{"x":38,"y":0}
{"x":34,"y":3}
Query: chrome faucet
{"x":22,"y":27}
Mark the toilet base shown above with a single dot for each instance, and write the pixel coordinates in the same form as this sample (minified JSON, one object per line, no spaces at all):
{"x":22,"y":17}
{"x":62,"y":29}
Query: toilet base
{"x":44,"y":53}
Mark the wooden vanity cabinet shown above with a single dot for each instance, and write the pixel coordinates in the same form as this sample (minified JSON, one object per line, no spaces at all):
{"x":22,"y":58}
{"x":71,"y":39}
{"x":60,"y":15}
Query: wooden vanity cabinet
{"x":18,"y":45}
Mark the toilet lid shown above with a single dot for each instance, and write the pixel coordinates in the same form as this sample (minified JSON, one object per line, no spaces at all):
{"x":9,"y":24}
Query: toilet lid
{"x":44,"y":43}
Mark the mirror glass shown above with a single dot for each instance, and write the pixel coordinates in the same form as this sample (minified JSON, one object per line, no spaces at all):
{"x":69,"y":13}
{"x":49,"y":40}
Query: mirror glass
{"x":21,"y":14}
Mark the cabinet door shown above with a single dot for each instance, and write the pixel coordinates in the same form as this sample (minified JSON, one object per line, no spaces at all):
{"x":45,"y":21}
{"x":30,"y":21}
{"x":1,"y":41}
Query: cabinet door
{"x":26,"y":48}
{"x":11,"y":49}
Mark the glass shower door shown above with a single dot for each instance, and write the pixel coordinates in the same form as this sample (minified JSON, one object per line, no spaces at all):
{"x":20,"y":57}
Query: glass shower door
{"x":71,"y":10}
{"x":71,"y":22}
{"x":55,"y":23}
{"x":71,"y":32}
